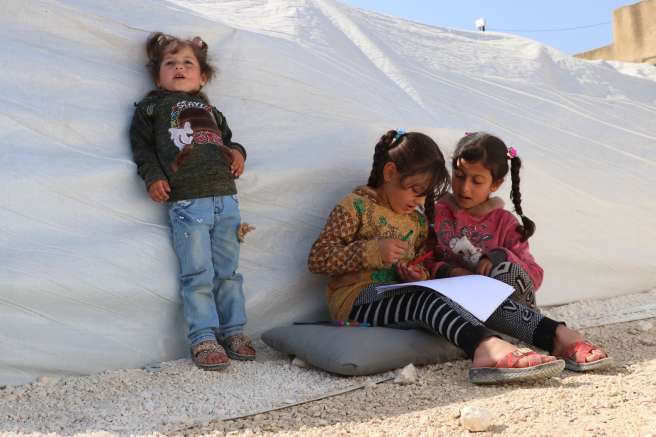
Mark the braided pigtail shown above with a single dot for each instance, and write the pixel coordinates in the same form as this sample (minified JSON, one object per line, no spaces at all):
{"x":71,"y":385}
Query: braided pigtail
{"x":429,"y":213}
{"x":429,"y":206}
{"x":441,"y":186}
{"x":528,"y":226}
{"x":381,"y":156}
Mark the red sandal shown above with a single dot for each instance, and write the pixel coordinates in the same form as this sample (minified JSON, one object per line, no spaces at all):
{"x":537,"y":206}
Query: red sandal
{"x":505,"y":370}
{"x":575,"y":357}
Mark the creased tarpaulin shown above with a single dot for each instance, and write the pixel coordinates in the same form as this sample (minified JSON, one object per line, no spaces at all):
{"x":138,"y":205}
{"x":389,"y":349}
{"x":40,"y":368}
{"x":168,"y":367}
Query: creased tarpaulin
{"x":87,"y":273}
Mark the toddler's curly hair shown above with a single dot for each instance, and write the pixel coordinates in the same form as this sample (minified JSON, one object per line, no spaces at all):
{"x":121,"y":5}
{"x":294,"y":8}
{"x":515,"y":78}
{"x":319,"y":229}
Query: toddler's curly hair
{"x":159,"y":44}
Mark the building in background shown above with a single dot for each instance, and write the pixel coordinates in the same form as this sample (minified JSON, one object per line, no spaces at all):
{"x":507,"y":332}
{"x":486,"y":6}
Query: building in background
{"x":634,"y":35}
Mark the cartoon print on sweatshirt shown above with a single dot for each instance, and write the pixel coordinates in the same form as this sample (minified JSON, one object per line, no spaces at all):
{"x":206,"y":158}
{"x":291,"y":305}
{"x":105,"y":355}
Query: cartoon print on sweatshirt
{"x":469,"y":253}
{"x":468,"y":244}
{"x":194,"y":123}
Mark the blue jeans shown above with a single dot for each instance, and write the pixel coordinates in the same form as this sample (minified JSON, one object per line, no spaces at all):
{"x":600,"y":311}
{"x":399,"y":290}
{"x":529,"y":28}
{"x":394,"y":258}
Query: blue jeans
{"x":205,"y":240}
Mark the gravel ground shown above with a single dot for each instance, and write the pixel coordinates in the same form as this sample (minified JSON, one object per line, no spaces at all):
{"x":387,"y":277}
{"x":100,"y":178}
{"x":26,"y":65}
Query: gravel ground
{"x":616,"y":402}
{"x":178,"y":399}
{"x":165,"y":398}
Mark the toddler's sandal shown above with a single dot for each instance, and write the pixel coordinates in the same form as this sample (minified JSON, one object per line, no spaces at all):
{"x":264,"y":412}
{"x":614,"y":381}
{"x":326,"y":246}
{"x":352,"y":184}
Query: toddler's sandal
{"x":238,"y":347}
{"x":505,"y":370}
{"x":203,"y":350}
{"x":576,"y":353}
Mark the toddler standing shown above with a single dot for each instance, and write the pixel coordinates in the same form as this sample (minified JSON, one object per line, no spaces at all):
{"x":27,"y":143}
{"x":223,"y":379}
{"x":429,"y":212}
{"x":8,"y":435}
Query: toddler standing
{"x":183,"y":149}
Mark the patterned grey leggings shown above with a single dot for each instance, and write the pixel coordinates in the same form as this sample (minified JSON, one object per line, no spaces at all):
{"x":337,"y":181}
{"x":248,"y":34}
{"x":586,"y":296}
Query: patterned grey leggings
{"x":515,"y":276}
{"x":420,"y":307}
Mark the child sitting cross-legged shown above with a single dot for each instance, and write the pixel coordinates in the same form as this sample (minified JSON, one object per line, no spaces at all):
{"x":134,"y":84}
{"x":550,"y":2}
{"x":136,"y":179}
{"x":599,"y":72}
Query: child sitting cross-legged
{"x":474,"y":234}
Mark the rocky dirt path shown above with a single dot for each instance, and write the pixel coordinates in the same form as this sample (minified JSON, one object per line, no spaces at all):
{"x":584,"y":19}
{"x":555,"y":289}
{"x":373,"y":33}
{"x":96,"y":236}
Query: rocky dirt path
{"x":617,"y":402}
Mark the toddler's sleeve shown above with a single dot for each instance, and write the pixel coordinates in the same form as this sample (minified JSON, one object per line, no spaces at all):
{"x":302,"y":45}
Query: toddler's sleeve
{"x":226,"y":133}
{"x":142,"y":140}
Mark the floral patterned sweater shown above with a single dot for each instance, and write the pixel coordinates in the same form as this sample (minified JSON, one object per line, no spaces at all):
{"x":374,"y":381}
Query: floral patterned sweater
{"x":347,"y":248}
{"x":463,"y":237}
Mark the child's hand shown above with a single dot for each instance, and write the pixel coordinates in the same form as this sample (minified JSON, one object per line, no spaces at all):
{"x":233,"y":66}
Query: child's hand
{"x":242,"y":230}
{"x":159,"y":191}
{"x":237,"y":165}
{"x":411,"y":273}
{"x":391,"y":250}
{"x":459,"y":271}
{"x":484,"y":267}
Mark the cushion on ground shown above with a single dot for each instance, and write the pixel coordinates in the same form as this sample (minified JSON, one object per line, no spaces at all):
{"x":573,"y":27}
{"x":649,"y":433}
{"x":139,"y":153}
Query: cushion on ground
{"x":360,"y":350}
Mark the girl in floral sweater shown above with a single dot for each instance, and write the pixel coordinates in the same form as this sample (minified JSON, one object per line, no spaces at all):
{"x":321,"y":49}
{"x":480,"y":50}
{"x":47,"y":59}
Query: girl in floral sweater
{"x":474,"y":234}
{"x":372,"y":237}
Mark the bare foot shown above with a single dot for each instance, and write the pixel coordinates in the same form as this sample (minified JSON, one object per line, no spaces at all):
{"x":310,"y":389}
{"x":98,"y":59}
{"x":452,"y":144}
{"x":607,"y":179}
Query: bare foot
{"x":212,"y":358}
{"x":247,"y":350}
{"x":493,"y":349}
{"x":565,"y":337}
{"x":239,"y":347}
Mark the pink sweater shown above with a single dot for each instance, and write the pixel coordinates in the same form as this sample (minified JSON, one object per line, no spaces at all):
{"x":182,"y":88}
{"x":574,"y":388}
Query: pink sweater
{"x":463,"y":237}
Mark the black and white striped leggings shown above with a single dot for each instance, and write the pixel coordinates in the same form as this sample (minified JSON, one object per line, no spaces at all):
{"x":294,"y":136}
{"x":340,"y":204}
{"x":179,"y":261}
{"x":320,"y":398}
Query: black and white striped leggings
{"x":420,"y":307}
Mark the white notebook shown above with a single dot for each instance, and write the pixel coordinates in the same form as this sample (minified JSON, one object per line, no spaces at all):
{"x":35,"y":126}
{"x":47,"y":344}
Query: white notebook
{"x":480,"y":295}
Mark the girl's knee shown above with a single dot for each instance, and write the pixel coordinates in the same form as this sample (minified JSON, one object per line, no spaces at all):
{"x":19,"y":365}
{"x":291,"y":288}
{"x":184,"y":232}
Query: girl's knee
{"x":527,"y":297}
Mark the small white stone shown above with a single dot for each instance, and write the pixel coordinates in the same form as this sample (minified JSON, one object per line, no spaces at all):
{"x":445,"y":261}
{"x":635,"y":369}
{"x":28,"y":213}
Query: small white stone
{"x":300,"y":363}
{"x":47,"y":380}
{"x":407,"y":375}
{"x":644,"y":326}
{"x":475,"y":418}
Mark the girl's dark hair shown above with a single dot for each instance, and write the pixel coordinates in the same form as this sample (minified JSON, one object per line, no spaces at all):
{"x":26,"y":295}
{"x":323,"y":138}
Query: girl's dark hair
{"x":494,"y":155}
{"x":412,"y":153}
{"x":159,"y":44}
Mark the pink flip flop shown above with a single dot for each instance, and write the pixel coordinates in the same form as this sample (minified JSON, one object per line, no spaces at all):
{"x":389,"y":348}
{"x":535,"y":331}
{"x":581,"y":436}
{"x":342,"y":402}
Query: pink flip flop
{"x":505,"y":370}
{"x":575,"y":354}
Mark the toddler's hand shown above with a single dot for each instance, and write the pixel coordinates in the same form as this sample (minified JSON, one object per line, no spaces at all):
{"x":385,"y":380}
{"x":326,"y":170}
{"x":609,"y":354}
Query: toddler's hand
{"x":237,"y":165}
{"x":242,"y":230}
{"x":459,"y":271}
{"x":484,"y":267}
{"x":411,"y":273}
{"x":391,"y":250}
{"x":159,"y":191}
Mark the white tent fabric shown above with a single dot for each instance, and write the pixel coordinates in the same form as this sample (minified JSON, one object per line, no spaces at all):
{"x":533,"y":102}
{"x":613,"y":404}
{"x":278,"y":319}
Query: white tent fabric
{"x":87,"y":274}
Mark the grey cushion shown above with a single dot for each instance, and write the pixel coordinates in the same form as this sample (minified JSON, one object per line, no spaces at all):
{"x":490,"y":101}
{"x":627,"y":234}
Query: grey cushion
{"x":360,"y":350}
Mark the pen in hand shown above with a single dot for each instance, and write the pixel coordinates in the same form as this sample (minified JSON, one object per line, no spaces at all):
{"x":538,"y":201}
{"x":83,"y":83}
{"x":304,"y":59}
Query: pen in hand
{"x":421,"y":258}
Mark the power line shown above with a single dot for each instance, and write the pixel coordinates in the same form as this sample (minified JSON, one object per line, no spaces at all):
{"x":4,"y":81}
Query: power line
{"x":562,"y":29}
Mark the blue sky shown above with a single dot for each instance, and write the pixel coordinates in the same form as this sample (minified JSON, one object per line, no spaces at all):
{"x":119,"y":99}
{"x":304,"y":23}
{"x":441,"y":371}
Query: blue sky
{"x":526,"y":18}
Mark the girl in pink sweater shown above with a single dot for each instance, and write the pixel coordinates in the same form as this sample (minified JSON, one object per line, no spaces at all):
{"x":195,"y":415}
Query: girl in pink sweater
{"x":474,"y":234}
